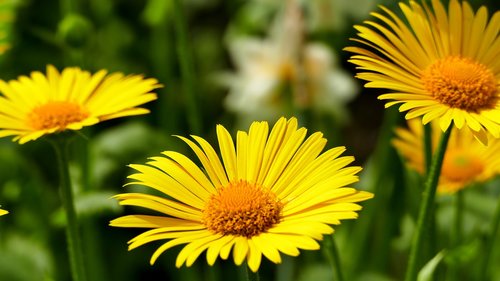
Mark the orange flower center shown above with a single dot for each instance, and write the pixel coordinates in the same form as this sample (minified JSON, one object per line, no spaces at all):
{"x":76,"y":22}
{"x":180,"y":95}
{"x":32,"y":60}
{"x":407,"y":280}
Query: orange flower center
{"x":461,"y":83}
{"x":56,"y":114}
{"x":461,"y":166}
{"x":242,"y":209}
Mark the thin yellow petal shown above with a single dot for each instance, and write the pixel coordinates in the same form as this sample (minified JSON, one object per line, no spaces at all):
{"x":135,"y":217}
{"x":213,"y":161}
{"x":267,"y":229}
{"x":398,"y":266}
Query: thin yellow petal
{"x":228,"y":152}
{"x":215,"y":248}
{"x":254,"y":256}
{"x":240,"y":250}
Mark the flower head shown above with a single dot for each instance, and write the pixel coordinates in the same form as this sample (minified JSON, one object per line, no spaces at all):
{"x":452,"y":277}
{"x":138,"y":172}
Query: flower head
{"x":3,"y":212}
{"x":45,"y":104}
{"x":273,"y":192}
{"x":466,"y":161}
{"x":442,"y":65}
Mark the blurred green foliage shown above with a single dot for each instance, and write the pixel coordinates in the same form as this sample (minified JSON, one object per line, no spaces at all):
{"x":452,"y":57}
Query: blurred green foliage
{"x":138,"y":37}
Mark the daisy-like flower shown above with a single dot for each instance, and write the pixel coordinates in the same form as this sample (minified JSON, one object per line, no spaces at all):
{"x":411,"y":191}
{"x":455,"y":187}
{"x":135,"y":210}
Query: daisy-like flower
{"x":442,"y":65}
{"x":45,"y":104}
{"x":271,"y":193}
{"x":466,"y":161}
{"x":3,"y":212}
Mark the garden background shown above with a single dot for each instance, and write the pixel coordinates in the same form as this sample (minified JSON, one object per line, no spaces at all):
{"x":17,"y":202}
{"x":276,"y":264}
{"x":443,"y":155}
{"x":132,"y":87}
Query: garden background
{"x":229,"y":51}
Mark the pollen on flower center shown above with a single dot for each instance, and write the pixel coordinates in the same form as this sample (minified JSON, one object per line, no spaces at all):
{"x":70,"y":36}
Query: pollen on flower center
{"x":461,"y":166}
{"x":242,"y":209}
{"x":56,"y":114}
{"x":461,"y":83}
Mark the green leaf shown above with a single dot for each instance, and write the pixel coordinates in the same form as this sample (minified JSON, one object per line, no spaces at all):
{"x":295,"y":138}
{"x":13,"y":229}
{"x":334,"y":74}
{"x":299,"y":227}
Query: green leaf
{"x":89,"y":204}
{"x":96,"y":203}
{"x":427,"y":272}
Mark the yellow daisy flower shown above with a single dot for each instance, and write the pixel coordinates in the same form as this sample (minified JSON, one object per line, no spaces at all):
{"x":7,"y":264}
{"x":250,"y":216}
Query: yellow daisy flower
{"x":44,"y":104}
{"x":273,"y":192}
{"x":3,"y":212}
{"x":466,"y":161}
{"x":441,"y":65}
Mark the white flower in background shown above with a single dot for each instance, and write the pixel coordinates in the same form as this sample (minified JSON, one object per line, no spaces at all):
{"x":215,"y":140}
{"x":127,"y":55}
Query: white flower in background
{"x":261,"y":69}
{"x":273,"y":72}
{"x":330,"y":87}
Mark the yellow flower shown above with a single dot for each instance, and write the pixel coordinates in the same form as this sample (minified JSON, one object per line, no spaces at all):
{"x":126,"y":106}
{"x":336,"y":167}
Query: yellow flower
{"x":466,"y":161}
{"x":273,"y":192}
{"x":440,"y":66}
{"x":38,"y":105}
{"x":3,"y":212}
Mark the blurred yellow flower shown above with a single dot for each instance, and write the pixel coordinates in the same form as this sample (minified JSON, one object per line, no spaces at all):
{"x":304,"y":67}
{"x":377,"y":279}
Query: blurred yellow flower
{"x":44,"y":104}
{"x":3,"y":212}
{"x":442,"y":65}
{"x":466,"y":161}
{"x":272,"y":192}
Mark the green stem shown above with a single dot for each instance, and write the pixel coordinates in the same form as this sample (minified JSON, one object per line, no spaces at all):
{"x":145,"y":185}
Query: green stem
{"x":187,"y":67}
{"x":456,"y":231}
{"x":252,"y":276}
{"x":333,"y":257}
{"x":426,"y":206}
{"x":72,"y":234}
{"x":427,"y":147}
{"x":162,"y":59}
{"x":490,"y":243}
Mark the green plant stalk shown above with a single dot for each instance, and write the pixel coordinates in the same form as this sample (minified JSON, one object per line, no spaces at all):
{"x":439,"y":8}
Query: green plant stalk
{"x":333,"y":257}
{"x":490,"y":244}
{"x":431,"y":247}
{"x":456,"y":234}
{"x":427,"y":206}
{"x":187,"y":67}
{"x":427,"y":147}
{"x":66,"y":193}
{"x":162,"y":59}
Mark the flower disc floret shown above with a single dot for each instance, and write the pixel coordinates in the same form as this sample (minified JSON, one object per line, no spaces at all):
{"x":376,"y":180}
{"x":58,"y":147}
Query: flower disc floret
{"x":56,"y":114}
{"x":461,"y":83}
{"x":242,"y":209}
